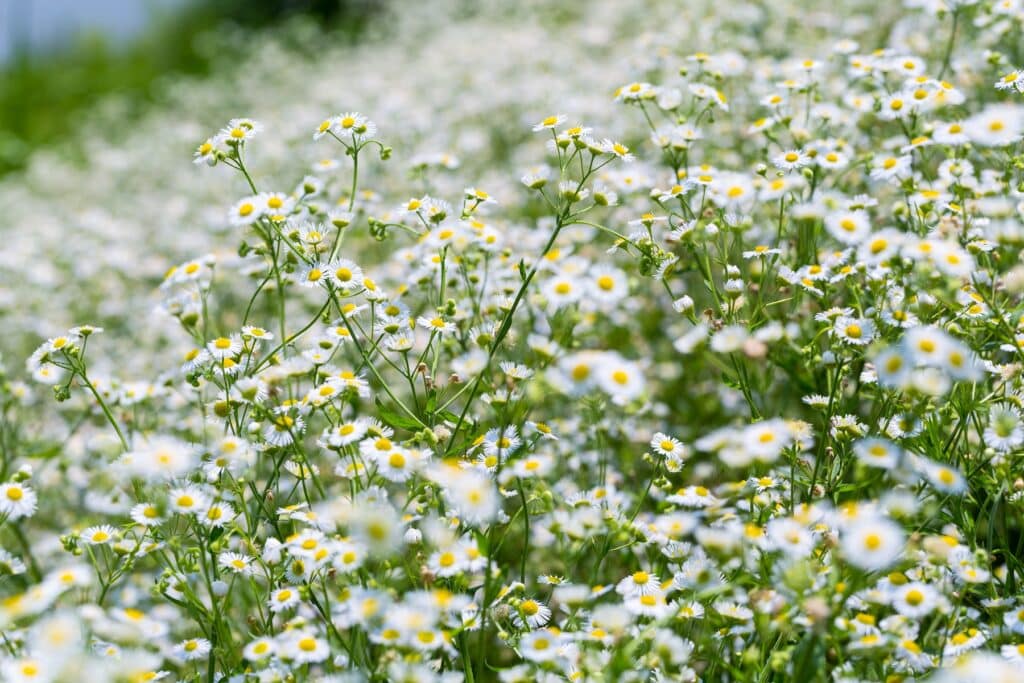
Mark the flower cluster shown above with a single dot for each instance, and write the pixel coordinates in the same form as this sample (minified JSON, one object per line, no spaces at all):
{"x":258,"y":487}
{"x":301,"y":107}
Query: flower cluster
{"x":715,"y":376}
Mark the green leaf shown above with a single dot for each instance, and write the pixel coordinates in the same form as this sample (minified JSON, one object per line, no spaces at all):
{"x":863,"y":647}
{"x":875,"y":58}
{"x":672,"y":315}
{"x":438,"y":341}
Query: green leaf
{"x":395,"y":419}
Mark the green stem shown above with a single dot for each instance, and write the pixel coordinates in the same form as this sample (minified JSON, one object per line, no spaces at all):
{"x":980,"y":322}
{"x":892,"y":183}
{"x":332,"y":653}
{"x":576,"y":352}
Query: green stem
{"x":27,"y":549}
{"x":526,"y":532}
{"x":503,"y":331}
{"x":949,"y":45}
{"x":104,"y":408}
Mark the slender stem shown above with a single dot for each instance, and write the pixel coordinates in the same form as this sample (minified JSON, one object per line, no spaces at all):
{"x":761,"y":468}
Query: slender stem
{"x":248,"y":178}
{"x":373,"y":368}
{"x":351,"y":197}
{"x":949,"y":45}
{"x":526,"y":532}
{"x":27,"y":549}
{"x":355,"y":179}
{"x":503,"y":331}
{"x":103,"y":406}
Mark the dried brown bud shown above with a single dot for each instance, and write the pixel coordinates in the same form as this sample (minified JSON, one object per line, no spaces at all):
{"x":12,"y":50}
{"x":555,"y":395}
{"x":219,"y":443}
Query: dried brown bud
{"x":427,"y":576}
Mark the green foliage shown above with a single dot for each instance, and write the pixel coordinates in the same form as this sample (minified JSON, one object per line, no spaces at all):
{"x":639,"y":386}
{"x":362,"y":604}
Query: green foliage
{"x":43,"y":97}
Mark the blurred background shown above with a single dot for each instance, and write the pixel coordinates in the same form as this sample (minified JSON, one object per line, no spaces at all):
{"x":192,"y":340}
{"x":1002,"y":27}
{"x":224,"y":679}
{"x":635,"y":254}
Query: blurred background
{"x":58,"y":57}
{"x":103,"y":102}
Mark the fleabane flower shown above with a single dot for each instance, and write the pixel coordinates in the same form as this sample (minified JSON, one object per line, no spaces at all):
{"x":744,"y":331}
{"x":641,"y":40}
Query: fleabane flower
{"x":17,"y":501}
{"x":848,"y":227}
{"x":549,"y":123}
{"x":854,"y":331}
{"x":873,"y":544}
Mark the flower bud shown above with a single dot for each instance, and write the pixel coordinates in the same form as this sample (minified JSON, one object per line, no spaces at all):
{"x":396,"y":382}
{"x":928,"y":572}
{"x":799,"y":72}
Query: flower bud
{"x":683,"y":304}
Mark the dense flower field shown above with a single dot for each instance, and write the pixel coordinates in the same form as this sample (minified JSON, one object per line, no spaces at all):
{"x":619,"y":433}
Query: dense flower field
{"x":618,"y":341}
